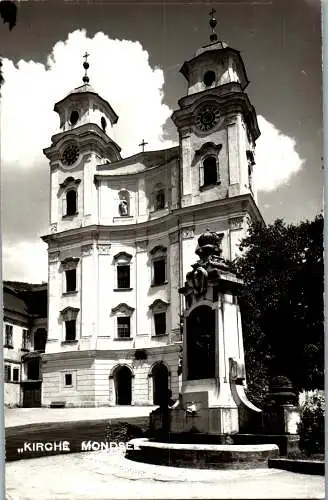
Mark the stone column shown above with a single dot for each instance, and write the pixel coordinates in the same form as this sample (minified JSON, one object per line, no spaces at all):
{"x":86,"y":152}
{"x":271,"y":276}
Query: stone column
{"x":54,"y":299}
{"x":142,"y":276}
{"x":174,"y":284}
{"x":89,"y":287}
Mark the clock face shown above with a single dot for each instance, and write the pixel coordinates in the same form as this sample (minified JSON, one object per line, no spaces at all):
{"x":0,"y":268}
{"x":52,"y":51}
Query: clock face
{"x":207,"y":117}
{"x":70,"y":155}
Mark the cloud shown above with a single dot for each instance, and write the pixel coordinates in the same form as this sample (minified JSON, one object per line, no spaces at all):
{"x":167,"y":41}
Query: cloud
{"x":276,"y":157}
{"x":25,"y":261}
{"x":120,"y":71}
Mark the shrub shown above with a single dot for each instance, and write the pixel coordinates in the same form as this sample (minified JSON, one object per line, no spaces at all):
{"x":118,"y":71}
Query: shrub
{"x":121,"y":432}
{"x":312,"y":425}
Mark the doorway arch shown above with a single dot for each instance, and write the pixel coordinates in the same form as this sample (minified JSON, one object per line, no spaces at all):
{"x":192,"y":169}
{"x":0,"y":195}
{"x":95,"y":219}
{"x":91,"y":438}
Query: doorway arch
{"x":123,"y":385}
{"x":160,"y":378}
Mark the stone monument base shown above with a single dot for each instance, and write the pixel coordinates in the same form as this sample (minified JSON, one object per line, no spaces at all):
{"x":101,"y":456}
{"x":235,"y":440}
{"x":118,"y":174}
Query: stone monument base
{"x":208,"y":421}
{"x":202,"y":456}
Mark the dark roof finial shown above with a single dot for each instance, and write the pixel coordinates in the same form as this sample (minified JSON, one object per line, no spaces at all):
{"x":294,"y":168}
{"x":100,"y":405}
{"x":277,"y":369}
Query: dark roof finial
{"x":86,"y":67}
{"x":213,"y":23}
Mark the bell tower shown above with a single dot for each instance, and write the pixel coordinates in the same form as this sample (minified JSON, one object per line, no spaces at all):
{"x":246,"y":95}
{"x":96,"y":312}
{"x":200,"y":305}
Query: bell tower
{"x":217,"y":126}
{"x":86,"y":123}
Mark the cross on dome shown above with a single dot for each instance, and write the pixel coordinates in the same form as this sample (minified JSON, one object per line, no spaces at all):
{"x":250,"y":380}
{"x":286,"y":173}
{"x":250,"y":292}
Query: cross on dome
{"x":86,"y":67}
{"x":213,"y":23}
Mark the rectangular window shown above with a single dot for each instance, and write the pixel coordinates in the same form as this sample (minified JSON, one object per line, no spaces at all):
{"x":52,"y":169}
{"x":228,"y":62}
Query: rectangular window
{"x":123,"y":327}
{"x":123,"y":276}
{"x":25,"y":339}
{"x":159,"y":269}
{"x":16,"y":375}
{"x":7,"y":373}
{"x":71,"y":280}
{"x":68,"y":380}
{"x":9,"y":336}
{"x":70,"y":330}
{"x":160,"y":323}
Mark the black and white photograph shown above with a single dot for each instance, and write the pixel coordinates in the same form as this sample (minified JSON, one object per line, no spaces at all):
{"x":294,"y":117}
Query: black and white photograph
{"x":162,"y":216}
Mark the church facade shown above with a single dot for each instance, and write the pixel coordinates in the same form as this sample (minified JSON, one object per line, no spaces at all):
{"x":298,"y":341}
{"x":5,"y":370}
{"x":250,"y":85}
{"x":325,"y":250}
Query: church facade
{"x":123,"y":232}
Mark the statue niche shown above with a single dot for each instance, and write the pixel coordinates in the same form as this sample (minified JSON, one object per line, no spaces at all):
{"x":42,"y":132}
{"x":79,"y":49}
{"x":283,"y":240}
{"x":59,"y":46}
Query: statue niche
{"x":123,"y":206}
{"x":201,"y":343}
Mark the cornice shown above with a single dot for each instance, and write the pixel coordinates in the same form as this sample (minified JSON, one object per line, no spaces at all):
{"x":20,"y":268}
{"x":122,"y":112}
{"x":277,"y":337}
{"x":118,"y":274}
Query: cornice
{"x":86,"y":135}
{"x":229,"y":207}
{"x":108,"y":353}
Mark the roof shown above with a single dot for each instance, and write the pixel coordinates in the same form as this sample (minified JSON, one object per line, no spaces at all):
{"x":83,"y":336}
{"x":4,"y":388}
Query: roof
{"x":214,"y":47}
{"x":138,"y":162}
{"x":87,"y":89}
{"x":25,"y":298}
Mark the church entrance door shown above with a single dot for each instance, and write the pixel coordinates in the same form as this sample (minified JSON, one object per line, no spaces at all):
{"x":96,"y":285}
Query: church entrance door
{"x":123,"y":385}
{"x":160,"y":376}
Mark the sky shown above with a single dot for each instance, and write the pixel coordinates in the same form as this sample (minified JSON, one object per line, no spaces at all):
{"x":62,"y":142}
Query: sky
{"x":136,"y":51}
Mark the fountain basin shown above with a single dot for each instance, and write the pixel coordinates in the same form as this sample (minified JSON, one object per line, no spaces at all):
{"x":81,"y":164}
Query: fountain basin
{"x":202,"y":456}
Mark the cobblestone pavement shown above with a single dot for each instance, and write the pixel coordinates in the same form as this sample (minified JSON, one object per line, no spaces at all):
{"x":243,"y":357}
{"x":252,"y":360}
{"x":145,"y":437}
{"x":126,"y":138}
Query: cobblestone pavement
{"x":97,"y":475}
{"x":23,"y":416}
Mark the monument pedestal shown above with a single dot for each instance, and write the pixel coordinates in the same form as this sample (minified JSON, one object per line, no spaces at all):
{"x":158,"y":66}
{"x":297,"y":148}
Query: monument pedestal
{"x":202,"y":429}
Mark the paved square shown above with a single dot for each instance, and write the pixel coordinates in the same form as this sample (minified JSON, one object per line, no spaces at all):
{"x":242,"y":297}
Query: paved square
{"x":100,"y":476}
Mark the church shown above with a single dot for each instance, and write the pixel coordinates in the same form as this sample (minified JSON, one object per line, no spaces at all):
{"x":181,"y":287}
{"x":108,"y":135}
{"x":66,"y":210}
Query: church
{"x":123,"y":231}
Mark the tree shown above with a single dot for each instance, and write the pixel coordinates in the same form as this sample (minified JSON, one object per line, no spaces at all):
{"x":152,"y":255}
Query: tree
{"x":282,"y":304}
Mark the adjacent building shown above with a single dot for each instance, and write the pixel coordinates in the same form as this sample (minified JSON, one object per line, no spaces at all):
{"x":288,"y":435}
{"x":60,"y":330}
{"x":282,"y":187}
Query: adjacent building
{"x":24,"y":338}
{"x":123,"y":231}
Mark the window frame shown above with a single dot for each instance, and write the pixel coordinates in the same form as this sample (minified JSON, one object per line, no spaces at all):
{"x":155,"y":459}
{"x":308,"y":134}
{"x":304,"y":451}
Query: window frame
{"x":68,"y":374}
{"x":9,"y":340}
{"x":119,"y":268}
{"x":203,"y":168}
{"x":157,"y":315}
{"x":17,"y":370}
{"x":7,"y":373}
{"x":158,"y":253}
{"x":118,"y":319}
{"x":122,"y":311}
{"x":155,"y":262}
{"x":159,"y":307}
{"x":120,"y":260}
{"x":68,"y":316}
{"x":25,"y":339}
{"x":69,"y":279}
{"x":70,"y":323}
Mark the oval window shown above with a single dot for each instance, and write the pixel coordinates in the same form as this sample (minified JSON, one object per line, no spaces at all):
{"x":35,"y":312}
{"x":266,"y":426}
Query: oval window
{"x":103,"y":123}
{"x":74,"y":116}
{"x":209,"y":78}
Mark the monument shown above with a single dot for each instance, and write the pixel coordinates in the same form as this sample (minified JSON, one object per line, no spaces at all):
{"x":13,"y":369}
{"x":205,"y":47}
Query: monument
{"x":212,"y":423}
{"x":213,"y":399}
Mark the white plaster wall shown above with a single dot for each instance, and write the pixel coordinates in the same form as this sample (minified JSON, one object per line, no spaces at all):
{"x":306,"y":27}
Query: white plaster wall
{"x":12,"y":394}
{"x":109,"y":199}
{"x":15,"y":353}
{"x":142,"y":389}
{"x":53,"y":389}
{"x":90,"y":111}
{"x":197,"y":74}
{"x":87,"y":319}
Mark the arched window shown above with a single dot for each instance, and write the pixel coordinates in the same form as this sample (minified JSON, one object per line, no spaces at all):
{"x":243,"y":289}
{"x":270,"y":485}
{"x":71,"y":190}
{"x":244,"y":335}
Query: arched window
{"x":209,"y":78}
{"x":103,"y":123}
{"x":71,"y":202}
{"x":210,"y":171}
